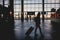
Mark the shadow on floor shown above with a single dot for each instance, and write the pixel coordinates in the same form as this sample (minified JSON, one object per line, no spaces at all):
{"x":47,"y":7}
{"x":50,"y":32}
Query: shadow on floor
{"x":56,"y":28}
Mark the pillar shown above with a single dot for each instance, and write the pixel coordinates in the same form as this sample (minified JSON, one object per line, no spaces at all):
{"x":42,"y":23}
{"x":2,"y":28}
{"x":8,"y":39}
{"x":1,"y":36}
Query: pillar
{"x":43,"y":10}
{"x":22,"y":10}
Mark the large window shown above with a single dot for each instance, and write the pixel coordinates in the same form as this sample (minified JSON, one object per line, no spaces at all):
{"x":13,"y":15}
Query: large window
{"x":17,"y":8}
{"x":49,"y":4}
{"x":1,"y":2}
{"x":36,"y":5}
{"x":52,"y":1}
{"x":32,"y":1}
{"x":6,"y":3}
{"x":48,"y":7}
{"x":17,"y":5}
{"x":32,"y":5}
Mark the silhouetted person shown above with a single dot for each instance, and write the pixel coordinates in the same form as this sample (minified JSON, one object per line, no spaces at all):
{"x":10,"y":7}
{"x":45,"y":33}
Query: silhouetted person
{"x":30,"y":17}
{"x":27,"y":18}
{"x":37,"y":21}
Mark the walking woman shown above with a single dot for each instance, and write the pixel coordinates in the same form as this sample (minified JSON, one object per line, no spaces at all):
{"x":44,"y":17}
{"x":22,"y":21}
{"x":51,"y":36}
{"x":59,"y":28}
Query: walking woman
{"x":37,"y":22}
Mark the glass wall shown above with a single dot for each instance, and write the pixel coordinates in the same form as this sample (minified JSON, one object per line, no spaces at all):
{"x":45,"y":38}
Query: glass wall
{"x":17,"y":9}
{"x":36,"y":5}
{"x":49,"y":4}
{"x":33,"y":5}
{"x":6,"y":2}
{"x":1,"y":2}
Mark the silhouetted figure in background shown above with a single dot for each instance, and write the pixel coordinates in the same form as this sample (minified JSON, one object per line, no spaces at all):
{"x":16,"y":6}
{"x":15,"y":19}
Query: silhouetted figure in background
{"x":37,"y":21}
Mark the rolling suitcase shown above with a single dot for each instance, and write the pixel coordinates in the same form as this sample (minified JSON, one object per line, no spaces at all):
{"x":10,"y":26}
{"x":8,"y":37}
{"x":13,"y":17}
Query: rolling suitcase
{"x":29,"y":31}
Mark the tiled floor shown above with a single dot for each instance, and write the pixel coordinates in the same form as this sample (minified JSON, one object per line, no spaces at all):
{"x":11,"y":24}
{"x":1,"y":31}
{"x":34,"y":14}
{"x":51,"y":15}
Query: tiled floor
{"x":50,"y":30}
{"x":21,"y":29}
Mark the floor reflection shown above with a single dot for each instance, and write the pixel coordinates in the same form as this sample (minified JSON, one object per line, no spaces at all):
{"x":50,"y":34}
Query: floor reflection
{"x":21,"y":29}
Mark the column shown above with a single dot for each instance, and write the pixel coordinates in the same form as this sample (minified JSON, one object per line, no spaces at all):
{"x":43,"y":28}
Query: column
{"x":3,"y":10}
{"x":22,"y":10}
{"x":11,"y":35}
{"x":43,"y":10}
{"x":11,"y":10}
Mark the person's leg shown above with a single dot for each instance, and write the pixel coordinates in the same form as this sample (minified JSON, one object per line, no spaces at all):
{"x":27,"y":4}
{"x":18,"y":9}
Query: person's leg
{"x":35,"y":29}
{"x":40,"y":29}
{"x":35,"y":35}
{"x":42,"y":36}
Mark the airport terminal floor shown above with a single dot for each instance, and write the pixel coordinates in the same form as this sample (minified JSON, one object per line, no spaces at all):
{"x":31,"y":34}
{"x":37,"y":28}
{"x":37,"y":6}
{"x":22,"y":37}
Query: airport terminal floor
{"x":49,"y":29}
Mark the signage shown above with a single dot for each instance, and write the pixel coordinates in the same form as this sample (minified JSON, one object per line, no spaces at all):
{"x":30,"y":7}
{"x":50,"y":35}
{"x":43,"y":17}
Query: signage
{"x":30,"y":13}
{"x":43,"y":12}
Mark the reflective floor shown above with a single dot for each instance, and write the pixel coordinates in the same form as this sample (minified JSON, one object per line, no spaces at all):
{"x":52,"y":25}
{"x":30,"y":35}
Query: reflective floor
{"x":49,"y":29}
